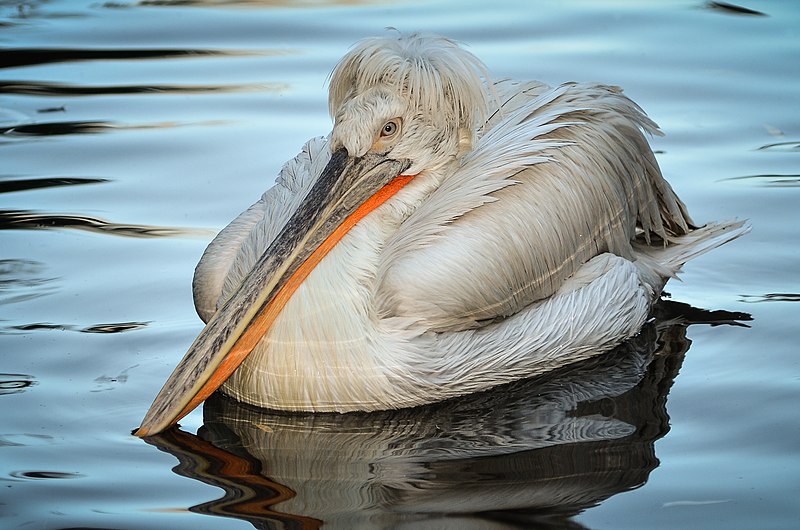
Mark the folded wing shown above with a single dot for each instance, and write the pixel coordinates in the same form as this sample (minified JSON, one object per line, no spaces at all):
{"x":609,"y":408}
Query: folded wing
{"x":558,"y":176}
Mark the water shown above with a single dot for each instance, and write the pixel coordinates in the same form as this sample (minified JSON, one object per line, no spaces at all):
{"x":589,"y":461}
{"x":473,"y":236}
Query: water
{"x":132,"y":131}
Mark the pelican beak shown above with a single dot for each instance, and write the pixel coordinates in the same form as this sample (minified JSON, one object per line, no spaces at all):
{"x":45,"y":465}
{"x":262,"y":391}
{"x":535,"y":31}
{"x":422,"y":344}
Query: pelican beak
{"x":346,"y":191}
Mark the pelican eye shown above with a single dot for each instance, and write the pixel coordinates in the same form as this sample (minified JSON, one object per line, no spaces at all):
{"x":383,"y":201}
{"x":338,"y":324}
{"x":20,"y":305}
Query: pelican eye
{"x":389,"y":129}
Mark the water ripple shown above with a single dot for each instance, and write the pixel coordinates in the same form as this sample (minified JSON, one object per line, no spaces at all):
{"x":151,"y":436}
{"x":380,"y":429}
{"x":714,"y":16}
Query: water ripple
{"x":12,"y":184}
{"x":56,"y":128}
{"x":235,"y":3}
{"x":39,"y":475}
{"x":790,"y":146}
{"x":770,"y":297}
{"x":106,"y":382}
{"x":18,"y":57}
{"x":734,"y":9}
{"x":112,"y":327}
{"x":24,"y":439}
{"x":59,"y":128}
{"x":15,"y":383}
{"x":21,"y":280}
{"x":30,"y":220}
{"x":771,"y":180}
{"x":39,"y":88}
{"x":116,"y":327}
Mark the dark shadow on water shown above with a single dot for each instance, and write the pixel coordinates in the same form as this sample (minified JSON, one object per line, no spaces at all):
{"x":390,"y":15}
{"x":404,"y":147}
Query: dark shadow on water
{"x":770,"y":297}
{"x":790,"y":146}
{"x":39,"y":88}
{"x":111,"y":327}
{"x":733,"y":9}
{"x":47,"y":110}
{"x":216,"y":4}
{"x":18,"y":57}
{"x":24,"y":439}
{"x":114,"y":327}
{"x":9,"y":185}
{"x":60,"y":128}
{"x":45,"y":475}
{"x":56,"y":128}
{"x":15,"y":383}
{"x":531,"y":454}
{"x":30,"y":220}
{"x":770,"y":180}
{"x":22,"y":279}
{"x":670,"y":310}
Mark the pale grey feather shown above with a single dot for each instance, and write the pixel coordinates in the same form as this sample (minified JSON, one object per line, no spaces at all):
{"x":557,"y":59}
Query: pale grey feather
{"x":563,"y":176}
{"x":234,"y":251}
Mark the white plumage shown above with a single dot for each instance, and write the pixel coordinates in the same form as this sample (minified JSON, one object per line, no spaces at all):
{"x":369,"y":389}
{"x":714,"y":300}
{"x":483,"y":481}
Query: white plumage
{"x":538,"y":231}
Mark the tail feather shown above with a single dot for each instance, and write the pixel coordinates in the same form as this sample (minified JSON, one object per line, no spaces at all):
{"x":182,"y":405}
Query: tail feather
{"x":660,"y":263}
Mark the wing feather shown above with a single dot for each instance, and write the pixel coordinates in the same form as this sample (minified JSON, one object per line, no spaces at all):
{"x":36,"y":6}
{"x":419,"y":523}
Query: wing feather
{"x":234,"y":251}
{"x":558,"y":176}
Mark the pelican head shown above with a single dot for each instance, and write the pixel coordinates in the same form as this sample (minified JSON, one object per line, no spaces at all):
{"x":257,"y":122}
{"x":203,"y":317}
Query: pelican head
{"x":417,"y":98}
{"x":401,"y":106}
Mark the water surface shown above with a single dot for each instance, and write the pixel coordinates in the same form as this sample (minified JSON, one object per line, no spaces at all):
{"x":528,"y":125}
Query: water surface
{"x":130,"y":132}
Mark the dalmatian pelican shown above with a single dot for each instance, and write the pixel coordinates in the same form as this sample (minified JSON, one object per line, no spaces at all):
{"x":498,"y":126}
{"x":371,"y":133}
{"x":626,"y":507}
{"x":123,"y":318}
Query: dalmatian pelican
{"x":450,"y":234}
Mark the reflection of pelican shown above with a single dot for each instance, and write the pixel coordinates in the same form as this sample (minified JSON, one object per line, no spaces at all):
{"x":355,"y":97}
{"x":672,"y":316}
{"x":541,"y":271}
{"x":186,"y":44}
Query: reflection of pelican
{"x":447,"y":237}
{"x":539,"y":450}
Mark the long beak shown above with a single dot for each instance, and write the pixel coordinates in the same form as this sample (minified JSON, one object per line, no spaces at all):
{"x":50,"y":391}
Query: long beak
{"x":348,"y":189}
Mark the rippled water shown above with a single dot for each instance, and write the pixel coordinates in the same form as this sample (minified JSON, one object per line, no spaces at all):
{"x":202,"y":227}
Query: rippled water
{"x":130,"y":132}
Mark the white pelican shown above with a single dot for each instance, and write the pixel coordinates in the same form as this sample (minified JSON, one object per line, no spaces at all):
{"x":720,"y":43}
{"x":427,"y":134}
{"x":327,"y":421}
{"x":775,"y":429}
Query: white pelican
{"x":449,"y":235}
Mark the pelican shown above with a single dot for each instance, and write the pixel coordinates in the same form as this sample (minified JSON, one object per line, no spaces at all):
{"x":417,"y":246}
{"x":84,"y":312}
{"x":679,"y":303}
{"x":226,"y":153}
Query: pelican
{"x":449,"y":235}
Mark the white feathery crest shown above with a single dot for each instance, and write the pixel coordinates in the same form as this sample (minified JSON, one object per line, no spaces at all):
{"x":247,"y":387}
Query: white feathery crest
{"x":440,"y":80}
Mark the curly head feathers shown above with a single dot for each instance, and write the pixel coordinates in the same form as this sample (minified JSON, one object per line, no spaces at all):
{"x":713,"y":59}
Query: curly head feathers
{"x":440,"y":80}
